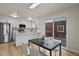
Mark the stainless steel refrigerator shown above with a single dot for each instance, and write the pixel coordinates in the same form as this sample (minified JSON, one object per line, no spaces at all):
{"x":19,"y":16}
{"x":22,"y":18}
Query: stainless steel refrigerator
{"x":5,"y":30}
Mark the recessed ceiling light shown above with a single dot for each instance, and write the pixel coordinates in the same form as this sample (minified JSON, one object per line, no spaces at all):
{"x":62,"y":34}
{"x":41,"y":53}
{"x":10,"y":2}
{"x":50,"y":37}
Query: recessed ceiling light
{"x":29,"y":18}
{"x":34,"y":5}
{"x":14,"y":15}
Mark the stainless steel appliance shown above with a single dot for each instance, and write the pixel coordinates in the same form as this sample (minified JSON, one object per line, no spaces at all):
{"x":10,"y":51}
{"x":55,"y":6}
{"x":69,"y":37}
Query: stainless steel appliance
{"x":5,"y":29}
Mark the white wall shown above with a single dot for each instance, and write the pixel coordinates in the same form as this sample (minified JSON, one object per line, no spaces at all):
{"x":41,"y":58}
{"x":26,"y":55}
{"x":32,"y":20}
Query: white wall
{"x":73,"y":28}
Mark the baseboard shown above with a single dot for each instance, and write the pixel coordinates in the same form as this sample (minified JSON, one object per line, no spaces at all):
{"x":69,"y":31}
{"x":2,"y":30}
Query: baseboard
{"x":70,"y":51}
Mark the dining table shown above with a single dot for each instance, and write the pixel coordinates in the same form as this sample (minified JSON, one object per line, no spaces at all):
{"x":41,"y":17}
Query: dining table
{"x":50,"y":45}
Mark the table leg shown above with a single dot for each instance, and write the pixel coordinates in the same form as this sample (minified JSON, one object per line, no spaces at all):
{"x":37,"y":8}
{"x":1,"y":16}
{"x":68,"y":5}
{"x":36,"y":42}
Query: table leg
{"x":39,"y":48}
{"x":60,"y":50}
{"x":50,"y":53}
{"x":29,"y":44}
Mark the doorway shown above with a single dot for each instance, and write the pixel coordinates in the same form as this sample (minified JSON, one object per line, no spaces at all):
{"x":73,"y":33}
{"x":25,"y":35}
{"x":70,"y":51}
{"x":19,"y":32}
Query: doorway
{"x":60,"y":31}
{"x":49,"y":29}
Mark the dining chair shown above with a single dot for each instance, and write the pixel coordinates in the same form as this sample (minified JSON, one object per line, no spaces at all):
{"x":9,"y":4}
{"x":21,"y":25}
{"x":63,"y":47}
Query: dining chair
{"x":24,"y":49}
{"x":56,"y":49}
{"x":29,"y":51}
{"x":49,"y":40}
{"x":35,"y":52}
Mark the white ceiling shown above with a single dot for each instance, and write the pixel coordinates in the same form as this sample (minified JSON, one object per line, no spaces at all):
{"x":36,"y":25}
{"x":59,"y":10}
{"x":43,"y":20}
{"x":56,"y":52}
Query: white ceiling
{"x":6,"y":9}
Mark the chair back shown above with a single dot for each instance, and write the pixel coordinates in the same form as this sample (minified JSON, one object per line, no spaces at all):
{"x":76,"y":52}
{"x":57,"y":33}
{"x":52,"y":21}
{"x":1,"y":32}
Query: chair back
{"x":25,"y":49}
{"x":34,"y":52}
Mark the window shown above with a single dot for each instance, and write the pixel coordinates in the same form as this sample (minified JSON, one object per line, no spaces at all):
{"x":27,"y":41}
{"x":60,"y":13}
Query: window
{"x":60,"y":28}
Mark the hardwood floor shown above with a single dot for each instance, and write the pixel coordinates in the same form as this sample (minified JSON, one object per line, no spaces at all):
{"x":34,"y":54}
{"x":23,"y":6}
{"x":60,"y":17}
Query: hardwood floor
{"x":9,"y":49}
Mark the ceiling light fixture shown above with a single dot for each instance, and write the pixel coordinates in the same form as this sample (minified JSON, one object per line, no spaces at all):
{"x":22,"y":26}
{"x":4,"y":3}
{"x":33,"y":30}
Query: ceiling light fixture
{"x":29,"y":18}
{"x":34,"y":5}
{"x":14,"y":15}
